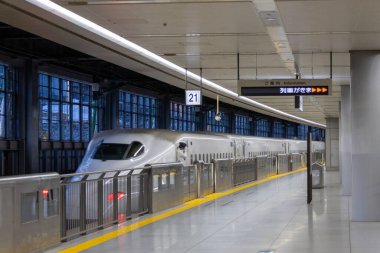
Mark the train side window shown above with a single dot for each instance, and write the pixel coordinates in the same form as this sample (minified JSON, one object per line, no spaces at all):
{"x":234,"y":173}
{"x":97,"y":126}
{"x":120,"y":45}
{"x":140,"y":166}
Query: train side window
{"x":136,"y":149}
{"x":191,"y":159}
{"x":207,"y":157}
{"x":203,"y":156}
{"x":199,"y":157}
{"x":110,"y":151}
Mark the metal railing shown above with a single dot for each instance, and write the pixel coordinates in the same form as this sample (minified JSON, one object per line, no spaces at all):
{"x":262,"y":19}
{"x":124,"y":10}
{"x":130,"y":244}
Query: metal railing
{"x":244,"y":171}
{"x":189,"y":176}
{"x":90,"y":201}
{"x":205,"y":176}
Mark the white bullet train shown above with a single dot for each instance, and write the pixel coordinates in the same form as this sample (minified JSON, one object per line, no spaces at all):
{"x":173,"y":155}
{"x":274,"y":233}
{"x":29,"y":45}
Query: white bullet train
{"x":124,"y":149}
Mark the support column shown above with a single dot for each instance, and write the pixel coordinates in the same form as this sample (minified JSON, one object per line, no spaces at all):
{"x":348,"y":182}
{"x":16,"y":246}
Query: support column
{"x":112,"y":111}
{"x":332,"y":144}
{"x":365,"y":135}
{"x":31,"y":117}
{"x":345,"y":141}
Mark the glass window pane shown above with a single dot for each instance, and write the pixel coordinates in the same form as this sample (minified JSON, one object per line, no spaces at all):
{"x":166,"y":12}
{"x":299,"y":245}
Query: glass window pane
{"x":55,"y":83}
{"x":66,"y":131}
{"x":54,"y":130}
{"x":76,"y":131}
{"x":76,"y":113}
{"x":2,"y":103}
{"x":85,"y":114}
{"x":44,"y":91}
{"x":55,"y":111}
{"x":44,"y":129}
{"x":55,"y":94}
{"x":85,"y":132}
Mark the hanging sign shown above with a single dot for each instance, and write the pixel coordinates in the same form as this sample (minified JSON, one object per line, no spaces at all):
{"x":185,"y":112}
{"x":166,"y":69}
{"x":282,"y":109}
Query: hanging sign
{"x":285,"y":87}
{"x":193,"y":97}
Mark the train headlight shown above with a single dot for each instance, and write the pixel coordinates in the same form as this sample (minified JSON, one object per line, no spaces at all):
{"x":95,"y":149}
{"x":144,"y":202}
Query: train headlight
{"x":218,"y":117}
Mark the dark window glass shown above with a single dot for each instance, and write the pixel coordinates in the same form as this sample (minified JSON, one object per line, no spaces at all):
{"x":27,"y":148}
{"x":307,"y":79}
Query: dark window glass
{"x":262,"y":127}
{"x":136,"y":149}
{"x":278,"y":129}
{"x":242,"y":125}
{"x":67,"y":110}
{"x":110,"y":151}
{"x":221,"y":126}
{"x":137,"y":111}
{"x":8,"y":88}
{"x":183,"y":118}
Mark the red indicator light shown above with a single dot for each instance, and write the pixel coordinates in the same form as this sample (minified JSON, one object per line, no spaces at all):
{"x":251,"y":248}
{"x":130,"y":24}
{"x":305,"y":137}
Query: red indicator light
{"x":45,"y":193}
{"x":119,"y":196}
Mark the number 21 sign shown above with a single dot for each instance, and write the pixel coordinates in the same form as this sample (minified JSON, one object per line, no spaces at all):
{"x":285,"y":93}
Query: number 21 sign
{"x":193,"y":97}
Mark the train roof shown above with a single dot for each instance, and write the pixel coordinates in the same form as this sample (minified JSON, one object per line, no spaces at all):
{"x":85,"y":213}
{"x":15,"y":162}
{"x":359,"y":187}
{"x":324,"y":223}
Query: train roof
{"x":178,"y":134}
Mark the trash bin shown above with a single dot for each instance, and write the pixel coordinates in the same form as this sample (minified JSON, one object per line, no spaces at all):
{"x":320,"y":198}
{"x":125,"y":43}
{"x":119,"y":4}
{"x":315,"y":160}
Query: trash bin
{"x":317,"y":175}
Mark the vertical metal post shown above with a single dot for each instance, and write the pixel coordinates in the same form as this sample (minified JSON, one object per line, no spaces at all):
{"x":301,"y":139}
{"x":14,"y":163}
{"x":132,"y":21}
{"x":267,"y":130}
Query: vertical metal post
{"x":150,"y":189}
{"x":141,"y":191}
{"x":82,"y":205}
{"x":129,"y":194}
{"x":309,"y":178}
{"x":101,"y":201}
{"x":63,"y":211}
{"x":115,"y":187}
{"x":198,"y":178}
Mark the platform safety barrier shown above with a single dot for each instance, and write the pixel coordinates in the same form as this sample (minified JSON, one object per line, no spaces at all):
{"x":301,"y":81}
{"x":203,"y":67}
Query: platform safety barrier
{"x":47,"y":208}
{"x":205,"y":178}
{"x":244,"y":171}
{"x":29,"y":214}
{"x":91,"y":201}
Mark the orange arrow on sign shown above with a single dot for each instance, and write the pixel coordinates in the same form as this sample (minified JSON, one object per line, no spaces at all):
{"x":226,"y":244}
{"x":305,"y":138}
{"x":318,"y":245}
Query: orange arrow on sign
{"x":313,"y":90}
{"x":319,"y":90}
{"x":324,"y":90}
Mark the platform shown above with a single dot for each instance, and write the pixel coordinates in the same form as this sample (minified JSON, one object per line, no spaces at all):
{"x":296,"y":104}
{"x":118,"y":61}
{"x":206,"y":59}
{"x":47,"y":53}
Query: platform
{"x":270,"y":216}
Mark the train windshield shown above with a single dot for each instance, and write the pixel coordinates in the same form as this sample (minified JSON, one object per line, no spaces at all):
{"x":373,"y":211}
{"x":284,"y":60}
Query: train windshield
{"x":111,"y":151}
{"x":136,"y":149}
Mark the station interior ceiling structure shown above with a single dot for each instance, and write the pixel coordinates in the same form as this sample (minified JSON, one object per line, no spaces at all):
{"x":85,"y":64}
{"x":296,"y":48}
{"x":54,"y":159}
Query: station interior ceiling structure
{"x":273,"y":39}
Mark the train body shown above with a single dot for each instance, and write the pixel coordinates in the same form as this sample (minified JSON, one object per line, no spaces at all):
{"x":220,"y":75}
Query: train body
{"x":125,"y":149}
{"x":130,"y":150}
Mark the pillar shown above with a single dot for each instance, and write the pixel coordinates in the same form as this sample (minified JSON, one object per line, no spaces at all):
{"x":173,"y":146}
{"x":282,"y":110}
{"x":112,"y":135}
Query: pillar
{"x":332,"y":144}
{"x":345,"y":141}
{"x":30,"y":89}
{"x":365,"y":135}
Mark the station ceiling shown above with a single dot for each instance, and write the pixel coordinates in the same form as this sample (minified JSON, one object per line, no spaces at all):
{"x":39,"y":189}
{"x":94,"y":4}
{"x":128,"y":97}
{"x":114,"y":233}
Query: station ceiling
{"x":209,"y":34}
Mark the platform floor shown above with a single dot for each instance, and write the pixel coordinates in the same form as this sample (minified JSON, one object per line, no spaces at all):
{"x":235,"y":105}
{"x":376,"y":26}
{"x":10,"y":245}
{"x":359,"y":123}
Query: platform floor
{"x":273,"y":215}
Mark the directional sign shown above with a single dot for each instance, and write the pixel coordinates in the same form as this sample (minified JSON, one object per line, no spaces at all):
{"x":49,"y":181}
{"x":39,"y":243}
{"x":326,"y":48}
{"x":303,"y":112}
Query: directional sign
{"x":285,"y":87}
{"x":285,"y":91}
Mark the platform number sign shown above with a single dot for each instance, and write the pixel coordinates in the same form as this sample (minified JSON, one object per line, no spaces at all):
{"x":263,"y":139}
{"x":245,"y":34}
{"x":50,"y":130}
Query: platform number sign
{"x":193,"y":97}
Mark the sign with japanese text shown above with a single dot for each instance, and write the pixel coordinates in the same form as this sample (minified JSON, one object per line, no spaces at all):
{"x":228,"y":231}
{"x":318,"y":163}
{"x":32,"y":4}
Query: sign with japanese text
{"x":285,"y":87}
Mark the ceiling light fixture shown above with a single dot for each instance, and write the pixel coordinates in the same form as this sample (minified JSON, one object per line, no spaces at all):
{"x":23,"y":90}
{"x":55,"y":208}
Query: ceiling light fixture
{"x":80,"y":21}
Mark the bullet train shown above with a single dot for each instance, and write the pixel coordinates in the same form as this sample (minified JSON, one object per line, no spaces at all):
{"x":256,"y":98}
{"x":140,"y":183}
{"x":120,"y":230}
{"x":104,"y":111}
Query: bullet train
{"x":124,"y":149}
